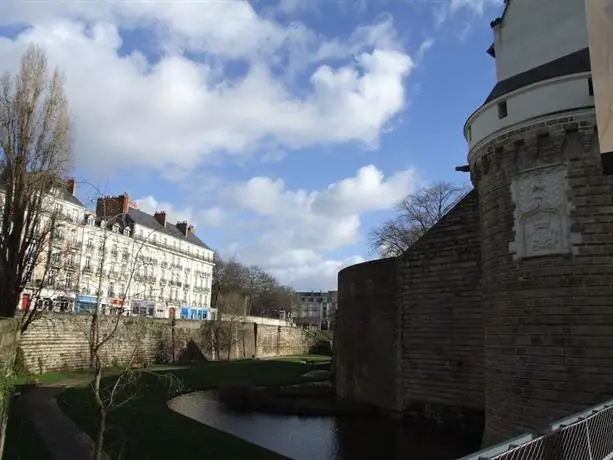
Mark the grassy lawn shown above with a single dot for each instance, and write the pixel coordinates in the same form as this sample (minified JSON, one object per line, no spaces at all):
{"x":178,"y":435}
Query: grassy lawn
{"x":22,"y":440}
{"x":145,"y":428}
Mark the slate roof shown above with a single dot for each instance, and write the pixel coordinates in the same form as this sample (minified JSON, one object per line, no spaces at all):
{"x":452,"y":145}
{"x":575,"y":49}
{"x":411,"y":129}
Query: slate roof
{"x":577,"y":62}
{"x":147,"y":220}
{"x":71,"y":199}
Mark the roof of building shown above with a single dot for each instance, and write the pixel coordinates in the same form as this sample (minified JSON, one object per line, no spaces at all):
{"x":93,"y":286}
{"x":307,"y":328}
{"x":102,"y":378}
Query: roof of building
{"x":577,"y":62}
{"x":66,"y":196}
{"x":147,"y":220}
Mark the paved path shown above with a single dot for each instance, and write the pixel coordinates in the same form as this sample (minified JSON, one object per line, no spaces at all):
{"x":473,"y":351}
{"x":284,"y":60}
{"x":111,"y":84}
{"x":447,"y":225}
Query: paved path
{"x":63,"y":437}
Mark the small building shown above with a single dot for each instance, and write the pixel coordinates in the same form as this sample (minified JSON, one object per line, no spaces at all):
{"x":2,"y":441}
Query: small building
{"x":316,"y":309}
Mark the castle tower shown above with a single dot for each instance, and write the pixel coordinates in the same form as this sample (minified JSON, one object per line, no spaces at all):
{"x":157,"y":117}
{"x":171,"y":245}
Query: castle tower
{"x":546,"y":209}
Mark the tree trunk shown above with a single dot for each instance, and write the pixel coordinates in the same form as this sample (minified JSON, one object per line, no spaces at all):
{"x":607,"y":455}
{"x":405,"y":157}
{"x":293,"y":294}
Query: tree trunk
{"x":4,"y":419}
{"x":8,"y":302}
{"x":98,"y":452}
{"x":93,"y":341}
{"x":230,"y":342}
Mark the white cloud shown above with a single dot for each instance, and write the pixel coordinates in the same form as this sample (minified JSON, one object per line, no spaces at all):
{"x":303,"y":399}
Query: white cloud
{"x":175,"y":113}
{"x":210,"y":217}
{"x":179,"y":113}
{"x":321,"y":275}
{"x":424,"y":47}
{"x":300,"y":228}
{"x":447,"y":10}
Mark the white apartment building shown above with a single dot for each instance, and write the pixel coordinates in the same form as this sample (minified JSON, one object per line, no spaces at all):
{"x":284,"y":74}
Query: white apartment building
{"x":316,"y":309}
{"x":120,"y":257}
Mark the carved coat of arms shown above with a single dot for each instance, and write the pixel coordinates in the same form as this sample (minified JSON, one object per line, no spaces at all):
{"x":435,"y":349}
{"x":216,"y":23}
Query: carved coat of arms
{"x":541,"y":215}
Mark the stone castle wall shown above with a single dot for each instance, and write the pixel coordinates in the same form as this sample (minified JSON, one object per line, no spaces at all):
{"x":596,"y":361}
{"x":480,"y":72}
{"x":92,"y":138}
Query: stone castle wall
{"x":505,"y":305}
{"x":58,"y":342}
{"x":409,"y":335}
{"x":439,"y":292}
{"x":365,"y":336}
{"x":547,"y":213}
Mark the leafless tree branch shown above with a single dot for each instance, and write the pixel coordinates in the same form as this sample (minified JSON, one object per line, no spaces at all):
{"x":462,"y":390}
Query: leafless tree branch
{"x":416,"y":214}
{"x":34,"y":155}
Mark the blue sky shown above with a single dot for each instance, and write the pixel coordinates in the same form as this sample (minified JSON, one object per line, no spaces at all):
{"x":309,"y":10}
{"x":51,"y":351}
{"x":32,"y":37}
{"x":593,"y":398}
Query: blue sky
{"x":284,"y":129}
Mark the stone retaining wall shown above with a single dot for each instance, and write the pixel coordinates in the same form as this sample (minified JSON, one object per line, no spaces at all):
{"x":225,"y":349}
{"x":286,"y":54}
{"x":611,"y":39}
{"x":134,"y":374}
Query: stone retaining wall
{"x":59,"y":342}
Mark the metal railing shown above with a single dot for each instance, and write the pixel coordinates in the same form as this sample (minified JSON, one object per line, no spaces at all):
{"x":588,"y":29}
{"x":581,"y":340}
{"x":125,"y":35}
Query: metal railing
{"x":584,"y":436}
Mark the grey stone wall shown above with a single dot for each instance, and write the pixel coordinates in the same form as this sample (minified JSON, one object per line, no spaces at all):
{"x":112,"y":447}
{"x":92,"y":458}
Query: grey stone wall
{"x":548,"y":319}
{"x":441,"y":314}
{"x":365,"y":337}
{"x":409,"y":334}
{"x":9,"y":337}
{"x":57,"y":342}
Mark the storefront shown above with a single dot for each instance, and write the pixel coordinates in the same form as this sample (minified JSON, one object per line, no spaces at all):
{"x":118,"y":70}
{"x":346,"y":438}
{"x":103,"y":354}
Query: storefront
{"x":143,"y":308}
{"x":117,"y":306}
{"x":194,"y":313}
{"x":63,"y":304}
{"x":86,"y":304}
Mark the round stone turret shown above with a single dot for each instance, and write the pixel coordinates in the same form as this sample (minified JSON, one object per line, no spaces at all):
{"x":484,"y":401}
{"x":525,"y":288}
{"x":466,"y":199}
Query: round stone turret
{"x":546,"y":211}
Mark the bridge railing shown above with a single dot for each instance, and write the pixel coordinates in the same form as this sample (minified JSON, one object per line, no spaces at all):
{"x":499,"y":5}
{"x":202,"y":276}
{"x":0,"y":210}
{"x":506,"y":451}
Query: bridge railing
{"x":587,"y":435}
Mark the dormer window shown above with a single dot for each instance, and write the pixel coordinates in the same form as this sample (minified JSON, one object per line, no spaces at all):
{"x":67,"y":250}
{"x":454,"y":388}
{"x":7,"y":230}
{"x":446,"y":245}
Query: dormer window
{"x":90,"y":220}
{"x":102,"y":223}
{"x":126,"y":231}
{"x":115,"y":228}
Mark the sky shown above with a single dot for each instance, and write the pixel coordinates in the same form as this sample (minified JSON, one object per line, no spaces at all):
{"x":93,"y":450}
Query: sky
{"x":284,"y":130}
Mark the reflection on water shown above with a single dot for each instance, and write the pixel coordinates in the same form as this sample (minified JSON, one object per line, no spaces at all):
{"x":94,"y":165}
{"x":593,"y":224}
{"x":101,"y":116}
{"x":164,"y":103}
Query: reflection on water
{"x":319,"y":438}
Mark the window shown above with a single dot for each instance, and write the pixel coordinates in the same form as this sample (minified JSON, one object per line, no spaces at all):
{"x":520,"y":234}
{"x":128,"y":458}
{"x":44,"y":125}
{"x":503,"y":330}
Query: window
{"x":69,"y":280}
{"x":90,"y":221}
{"x":502,"y":110}
{"x":115,"y":228}
{"x":469,"y":134}
{"x":126,"y":231}
{"x":590,"y":86}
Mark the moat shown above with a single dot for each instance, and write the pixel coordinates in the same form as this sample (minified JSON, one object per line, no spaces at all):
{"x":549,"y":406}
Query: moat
{"x":321,"y":437}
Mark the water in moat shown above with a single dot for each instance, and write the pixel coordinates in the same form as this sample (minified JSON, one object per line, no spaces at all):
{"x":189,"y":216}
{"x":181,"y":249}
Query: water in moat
{"x":320,"y":438}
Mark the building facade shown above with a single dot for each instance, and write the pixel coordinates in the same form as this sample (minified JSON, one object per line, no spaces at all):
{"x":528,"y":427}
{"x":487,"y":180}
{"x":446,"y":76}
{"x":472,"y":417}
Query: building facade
{"x":316,"y":309}
{"x":119,"y":257}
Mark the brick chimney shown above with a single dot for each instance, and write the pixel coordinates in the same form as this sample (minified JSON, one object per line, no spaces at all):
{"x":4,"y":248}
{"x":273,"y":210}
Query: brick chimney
{"x":160,"y":217}
{"x":184,"y":227}
{"x":110,"y":206}
{"x":71,"y":186}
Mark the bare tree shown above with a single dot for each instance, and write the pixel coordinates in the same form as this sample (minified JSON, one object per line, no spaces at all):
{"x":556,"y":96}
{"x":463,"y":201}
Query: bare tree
{"x":106,"y":323}
{"x":263,"y":294}
{"x":416,"y":214}
{"x":34,"y":155}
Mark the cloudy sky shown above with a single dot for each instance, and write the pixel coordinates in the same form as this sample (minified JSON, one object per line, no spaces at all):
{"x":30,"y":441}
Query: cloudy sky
{"x":283,"y":129}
